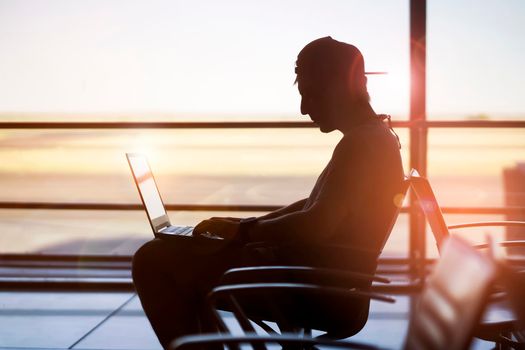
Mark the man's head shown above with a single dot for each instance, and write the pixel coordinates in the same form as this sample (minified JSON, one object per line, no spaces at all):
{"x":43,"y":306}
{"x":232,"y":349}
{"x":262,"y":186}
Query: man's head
{"x":331,"y":79}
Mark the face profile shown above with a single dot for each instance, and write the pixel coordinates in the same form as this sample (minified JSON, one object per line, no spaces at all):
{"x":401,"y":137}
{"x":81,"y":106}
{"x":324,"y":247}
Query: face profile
{"x":321,"y":104}
{"x":332,"y":83}
{"x":316,"y":105}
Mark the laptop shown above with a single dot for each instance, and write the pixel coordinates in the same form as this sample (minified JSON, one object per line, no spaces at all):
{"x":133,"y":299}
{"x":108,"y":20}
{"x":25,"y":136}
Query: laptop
{"x":155,"y":209}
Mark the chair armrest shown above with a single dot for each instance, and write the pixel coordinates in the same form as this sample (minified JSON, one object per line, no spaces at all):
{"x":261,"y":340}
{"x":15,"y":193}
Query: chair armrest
{"x":226,"y":298}
{"x":487,"y":223}
{"x":505,"y":244}
{"x":339,"y":247}
{"x":298,"y":274}
{"x":199,"y":341}
{"x":266,"y":288}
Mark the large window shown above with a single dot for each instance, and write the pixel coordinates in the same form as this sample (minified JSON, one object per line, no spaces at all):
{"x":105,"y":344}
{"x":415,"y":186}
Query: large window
{"x":475,"y":73}
{"x":171,"y":61}
{"x":229,"y":61}
{"x":475,"y":59}
{"x":186,"y":59}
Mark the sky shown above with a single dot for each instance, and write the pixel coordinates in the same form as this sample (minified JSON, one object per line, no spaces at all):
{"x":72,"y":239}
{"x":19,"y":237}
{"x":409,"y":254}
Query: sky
{"x":236,"y":58}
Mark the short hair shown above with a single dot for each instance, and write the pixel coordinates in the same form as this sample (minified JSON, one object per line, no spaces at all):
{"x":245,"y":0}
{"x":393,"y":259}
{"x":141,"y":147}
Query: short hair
{"x":326,"y":62}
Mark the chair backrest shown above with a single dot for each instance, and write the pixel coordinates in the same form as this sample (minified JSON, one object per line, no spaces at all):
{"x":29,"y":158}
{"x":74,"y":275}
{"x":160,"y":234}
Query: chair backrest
{"x":514,"y":281}
{"x":398,"y":202}
{"x":451,"y":304}
{"x":428,"y":203}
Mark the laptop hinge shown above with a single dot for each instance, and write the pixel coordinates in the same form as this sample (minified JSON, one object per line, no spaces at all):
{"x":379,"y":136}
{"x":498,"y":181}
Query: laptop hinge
{"x":162,"y":228}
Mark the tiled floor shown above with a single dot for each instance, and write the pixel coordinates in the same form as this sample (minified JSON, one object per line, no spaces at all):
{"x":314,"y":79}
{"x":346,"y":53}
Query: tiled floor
{"x":69,"y":320}
{"x":89,"y":320}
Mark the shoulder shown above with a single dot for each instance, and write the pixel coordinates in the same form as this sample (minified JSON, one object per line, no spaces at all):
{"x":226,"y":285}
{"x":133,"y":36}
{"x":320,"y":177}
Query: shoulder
{"x":369,"y":140}
{"x":362,"y":135}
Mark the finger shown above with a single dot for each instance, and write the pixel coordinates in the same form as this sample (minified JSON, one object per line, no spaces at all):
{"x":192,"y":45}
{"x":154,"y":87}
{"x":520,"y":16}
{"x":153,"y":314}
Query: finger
{"x":202,"y":227}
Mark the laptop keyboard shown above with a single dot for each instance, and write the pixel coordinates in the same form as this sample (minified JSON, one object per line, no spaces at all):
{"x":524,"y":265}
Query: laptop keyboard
{"x":178,"y":230}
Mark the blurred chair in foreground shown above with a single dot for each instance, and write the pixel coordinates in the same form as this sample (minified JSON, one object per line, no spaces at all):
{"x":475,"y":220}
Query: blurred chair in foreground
{"x":447,"y":312}
{"x":499,"y":318}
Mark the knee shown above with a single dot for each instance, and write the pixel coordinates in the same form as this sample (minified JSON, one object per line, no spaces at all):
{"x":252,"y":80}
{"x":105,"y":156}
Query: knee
{"x":145,"y":260}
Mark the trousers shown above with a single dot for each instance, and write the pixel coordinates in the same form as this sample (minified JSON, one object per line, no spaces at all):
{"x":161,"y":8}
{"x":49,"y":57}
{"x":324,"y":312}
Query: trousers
{"x":173,"y":281}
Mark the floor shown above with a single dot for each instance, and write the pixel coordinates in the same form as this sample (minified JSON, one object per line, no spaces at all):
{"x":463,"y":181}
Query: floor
{"x":111,"y":320}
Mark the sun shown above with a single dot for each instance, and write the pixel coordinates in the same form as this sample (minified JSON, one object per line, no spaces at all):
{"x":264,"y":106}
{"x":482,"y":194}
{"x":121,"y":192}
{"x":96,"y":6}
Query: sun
{"x":390,"y":92}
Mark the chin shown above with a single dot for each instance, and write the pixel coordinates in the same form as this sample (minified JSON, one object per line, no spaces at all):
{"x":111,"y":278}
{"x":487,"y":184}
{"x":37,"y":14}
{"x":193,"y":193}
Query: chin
{"x":326,"y":129}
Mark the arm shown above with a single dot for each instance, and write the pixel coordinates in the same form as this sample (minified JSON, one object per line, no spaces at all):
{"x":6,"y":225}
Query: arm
{"x":314,"y":223}
{"x":297,"y":206}
{"x":320,"y":218}
{"x":281,"y":225}
{"x":333,"y":199}
{"x":335,"y":192}
{"x":229,"y":226}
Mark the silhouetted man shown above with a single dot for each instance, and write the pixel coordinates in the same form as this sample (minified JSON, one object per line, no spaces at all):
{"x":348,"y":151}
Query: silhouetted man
{"x":351,"y":205}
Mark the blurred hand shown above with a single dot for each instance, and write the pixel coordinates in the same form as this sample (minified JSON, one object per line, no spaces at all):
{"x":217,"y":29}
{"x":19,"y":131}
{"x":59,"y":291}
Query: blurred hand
{"x":226,"y":228}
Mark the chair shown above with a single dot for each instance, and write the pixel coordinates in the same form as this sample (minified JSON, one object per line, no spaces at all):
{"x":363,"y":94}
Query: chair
{"x":430,"y":207}
{"x":500,"y":319}
{"x":448,"y":309}
{"x":307,"y":285}
{"x":514,"y":282}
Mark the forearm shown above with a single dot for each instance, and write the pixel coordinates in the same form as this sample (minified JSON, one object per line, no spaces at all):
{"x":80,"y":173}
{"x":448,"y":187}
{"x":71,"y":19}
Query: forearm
{"x":294,"y":207}
{"x":288,"y":227}
{"x":232,"y":228}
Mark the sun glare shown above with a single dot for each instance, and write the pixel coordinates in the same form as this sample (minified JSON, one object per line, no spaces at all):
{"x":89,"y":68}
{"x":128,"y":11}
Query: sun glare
{"x":388,"y":91}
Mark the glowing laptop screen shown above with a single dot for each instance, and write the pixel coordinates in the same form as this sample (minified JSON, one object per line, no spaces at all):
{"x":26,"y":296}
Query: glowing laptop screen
{"x":147,"y":187}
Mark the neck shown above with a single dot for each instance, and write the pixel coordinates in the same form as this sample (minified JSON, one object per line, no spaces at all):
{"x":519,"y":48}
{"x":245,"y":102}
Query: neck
{"x":357,"y":115}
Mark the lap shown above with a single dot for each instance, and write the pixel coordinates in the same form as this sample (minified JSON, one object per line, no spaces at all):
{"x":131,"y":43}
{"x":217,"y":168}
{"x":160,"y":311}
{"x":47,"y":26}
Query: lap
{"x":198,"y":273}
{"x":186,"y":265}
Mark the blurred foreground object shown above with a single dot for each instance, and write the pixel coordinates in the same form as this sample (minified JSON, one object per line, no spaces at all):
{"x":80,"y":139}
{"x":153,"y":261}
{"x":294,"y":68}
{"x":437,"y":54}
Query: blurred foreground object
{"x":499,"y":318}
{"x":453,"y":300}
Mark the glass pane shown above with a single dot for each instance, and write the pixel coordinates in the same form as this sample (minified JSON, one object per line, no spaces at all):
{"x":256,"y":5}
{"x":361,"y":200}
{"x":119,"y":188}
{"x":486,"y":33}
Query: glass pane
{"x":111,"y":232}
{"x":466,"y":166}
{"x":230,"y":166}
{"x":179,"y":60}
{"x":471,"y":168}
{"x":397,"y":244}
{"x":475,"y":235}
{"x":84,"y":232}
{"x":185,"y":60}
{"x":475,"y":59}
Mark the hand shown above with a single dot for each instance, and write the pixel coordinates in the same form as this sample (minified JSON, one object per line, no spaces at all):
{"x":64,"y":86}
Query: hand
{"x":227,"y":228}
